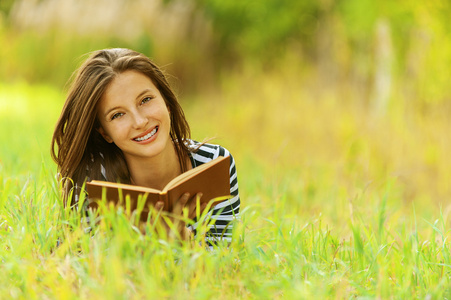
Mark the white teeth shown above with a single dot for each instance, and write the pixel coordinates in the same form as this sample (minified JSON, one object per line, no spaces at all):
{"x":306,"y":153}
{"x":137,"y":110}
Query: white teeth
{"x":147,"y":136}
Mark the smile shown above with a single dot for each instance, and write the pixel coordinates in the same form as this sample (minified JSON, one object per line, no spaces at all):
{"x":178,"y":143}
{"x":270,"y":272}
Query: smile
{"x":147,"y":136}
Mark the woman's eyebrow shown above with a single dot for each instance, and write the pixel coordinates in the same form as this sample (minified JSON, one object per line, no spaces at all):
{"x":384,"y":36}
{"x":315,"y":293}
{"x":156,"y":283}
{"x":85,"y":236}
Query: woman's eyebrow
{"x":110,"y":110}
{"x":142,"y":93}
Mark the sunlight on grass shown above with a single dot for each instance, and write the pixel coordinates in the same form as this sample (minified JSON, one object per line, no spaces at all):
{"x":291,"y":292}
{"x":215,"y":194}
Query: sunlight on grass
{"x":336,"y":203}
{"x":27,"y":116}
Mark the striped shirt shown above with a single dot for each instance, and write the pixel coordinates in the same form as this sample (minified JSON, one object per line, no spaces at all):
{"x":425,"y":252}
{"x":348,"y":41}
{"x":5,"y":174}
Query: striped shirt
{"x":225,"y":212}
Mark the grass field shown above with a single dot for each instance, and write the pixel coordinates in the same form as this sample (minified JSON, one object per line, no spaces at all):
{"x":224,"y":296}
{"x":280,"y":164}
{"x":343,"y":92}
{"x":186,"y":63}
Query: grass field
{"x":336,"y":203}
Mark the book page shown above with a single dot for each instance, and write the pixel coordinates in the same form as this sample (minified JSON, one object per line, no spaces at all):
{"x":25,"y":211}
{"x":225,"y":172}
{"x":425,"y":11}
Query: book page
{"x":124,"y":186}
{"x":193,"y":172}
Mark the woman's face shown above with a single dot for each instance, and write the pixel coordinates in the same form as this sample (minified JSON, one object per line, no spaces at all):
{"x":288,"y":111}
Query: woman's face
{"x":134,"y":116}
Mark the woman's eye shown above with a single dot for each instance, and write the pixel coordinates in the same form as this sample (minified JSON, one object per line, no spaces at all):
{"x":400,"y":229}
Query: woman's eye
{"x":145,"y":100}
{"x":116,"y":115}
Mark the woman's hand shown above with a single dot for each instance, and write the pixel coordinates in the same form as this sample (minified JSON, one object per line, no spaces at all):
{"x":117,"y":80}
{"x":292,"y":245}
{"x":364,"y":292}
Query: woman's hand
{"x":190,"y":204}
{"x":174,"y":222}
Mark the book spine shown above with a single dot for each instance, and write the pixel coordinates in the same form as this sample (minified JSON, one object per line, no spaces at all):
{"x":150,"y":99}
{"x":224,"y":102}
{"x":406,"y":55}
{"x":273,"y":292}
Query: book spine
{"x":165,"y":199}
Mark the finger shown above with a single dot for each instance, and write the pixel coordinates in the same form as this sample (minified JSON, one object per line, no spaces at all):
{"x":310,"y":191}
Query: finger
{"x":195,"y":206}
{"x":157,"y":209}
{"x":159,"y":205}
{"x":203,"y":207}
{"x":181,"y":203}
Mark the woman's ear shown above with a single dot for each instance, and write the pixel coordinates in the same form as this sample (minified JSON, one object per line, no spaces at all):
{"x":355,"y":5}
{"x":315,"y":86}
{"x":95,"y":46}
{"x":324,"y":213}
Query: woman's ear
{"x":105,"y":136}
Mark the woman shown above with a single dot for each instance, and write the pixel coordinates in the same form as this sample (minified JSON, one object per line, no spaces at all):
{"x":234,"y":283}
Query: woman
{"x":122,"y":122}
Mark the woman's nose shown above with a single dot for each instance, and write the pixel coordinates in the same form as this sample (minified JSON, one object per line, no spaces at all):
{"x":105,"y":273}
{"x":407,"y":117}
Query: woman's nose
{"x":139,"y":120}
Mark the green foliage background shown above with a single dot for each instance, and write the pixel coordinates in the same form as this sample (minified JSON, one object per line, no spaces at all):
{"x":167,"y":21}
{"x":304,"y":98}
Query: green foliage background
{"x":335,"y":111}
{"x":336,"y":37}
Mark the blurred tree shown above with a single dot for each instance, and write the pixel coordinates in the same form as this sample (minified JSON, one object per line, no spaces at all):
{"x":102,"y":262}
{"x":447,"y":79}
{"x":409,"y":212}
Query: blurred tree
{"x":260,"y":29}
{"x":5,"y":6}
{"x":338,"y":40}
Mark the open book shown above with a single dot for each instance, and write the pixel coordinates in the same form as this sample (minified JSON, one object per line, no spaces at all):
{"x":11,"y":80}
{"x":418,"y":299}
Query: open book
{"x":212,"y":179}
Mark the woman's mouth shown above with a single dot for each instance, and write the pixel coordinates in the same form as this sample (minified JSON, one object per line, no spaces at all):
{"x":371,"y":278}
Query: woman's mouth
{"x":147,"y":136}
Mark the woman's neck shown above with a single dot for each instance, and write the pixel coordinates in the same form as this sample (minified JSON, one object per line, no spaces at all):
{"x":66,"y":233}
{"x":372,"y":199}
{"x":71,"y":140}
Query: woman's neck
{"x":157,"y":171}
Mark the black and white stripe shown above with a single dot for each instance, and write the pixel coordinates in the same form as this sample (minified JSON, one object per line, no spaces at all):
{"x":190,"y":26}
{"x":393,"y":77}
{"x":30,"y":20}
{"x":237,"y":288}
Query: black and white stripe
{"x":223,"y":213}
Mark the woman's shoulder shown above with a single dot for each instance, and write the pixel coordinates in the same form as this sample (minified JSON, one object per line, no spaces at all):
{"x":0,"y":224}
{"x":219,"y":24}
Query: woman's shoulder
{"x":205,"y":152}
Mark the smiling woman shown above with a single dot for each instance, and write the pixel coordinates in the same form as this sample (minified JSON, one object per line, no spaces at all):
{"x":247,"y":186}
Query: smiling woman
{"x":122,"y":122}
{"x":133,"y":115}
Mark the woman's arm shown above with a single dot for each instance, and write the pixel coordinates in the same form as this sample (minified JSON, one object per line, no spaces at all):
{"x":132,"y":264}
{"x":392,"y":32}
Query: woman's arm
{"x":224,"y":213}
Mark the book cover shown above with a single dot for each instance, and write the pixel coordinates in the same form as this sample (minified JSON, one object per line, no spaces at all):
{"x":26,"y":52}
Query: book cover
{"x":212,"y":179}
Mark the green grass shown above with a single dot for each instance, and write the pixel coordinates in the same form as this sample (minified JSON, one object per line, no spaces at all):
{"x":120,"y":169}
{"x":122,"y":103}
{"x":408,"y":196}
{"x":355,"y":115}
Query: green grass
{"x":334,"y":205}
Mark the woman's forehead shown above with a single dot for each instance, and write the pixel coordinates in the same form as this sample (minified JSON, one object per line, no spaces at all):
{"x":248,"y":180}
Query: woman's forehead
{"x":128,"y":85}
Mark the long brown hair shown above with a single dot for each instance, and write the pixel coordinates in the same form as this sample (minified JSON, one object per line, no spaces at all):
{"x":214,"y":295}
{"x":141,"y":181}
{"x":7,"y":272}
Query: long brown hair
{"x":78,"y":148}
